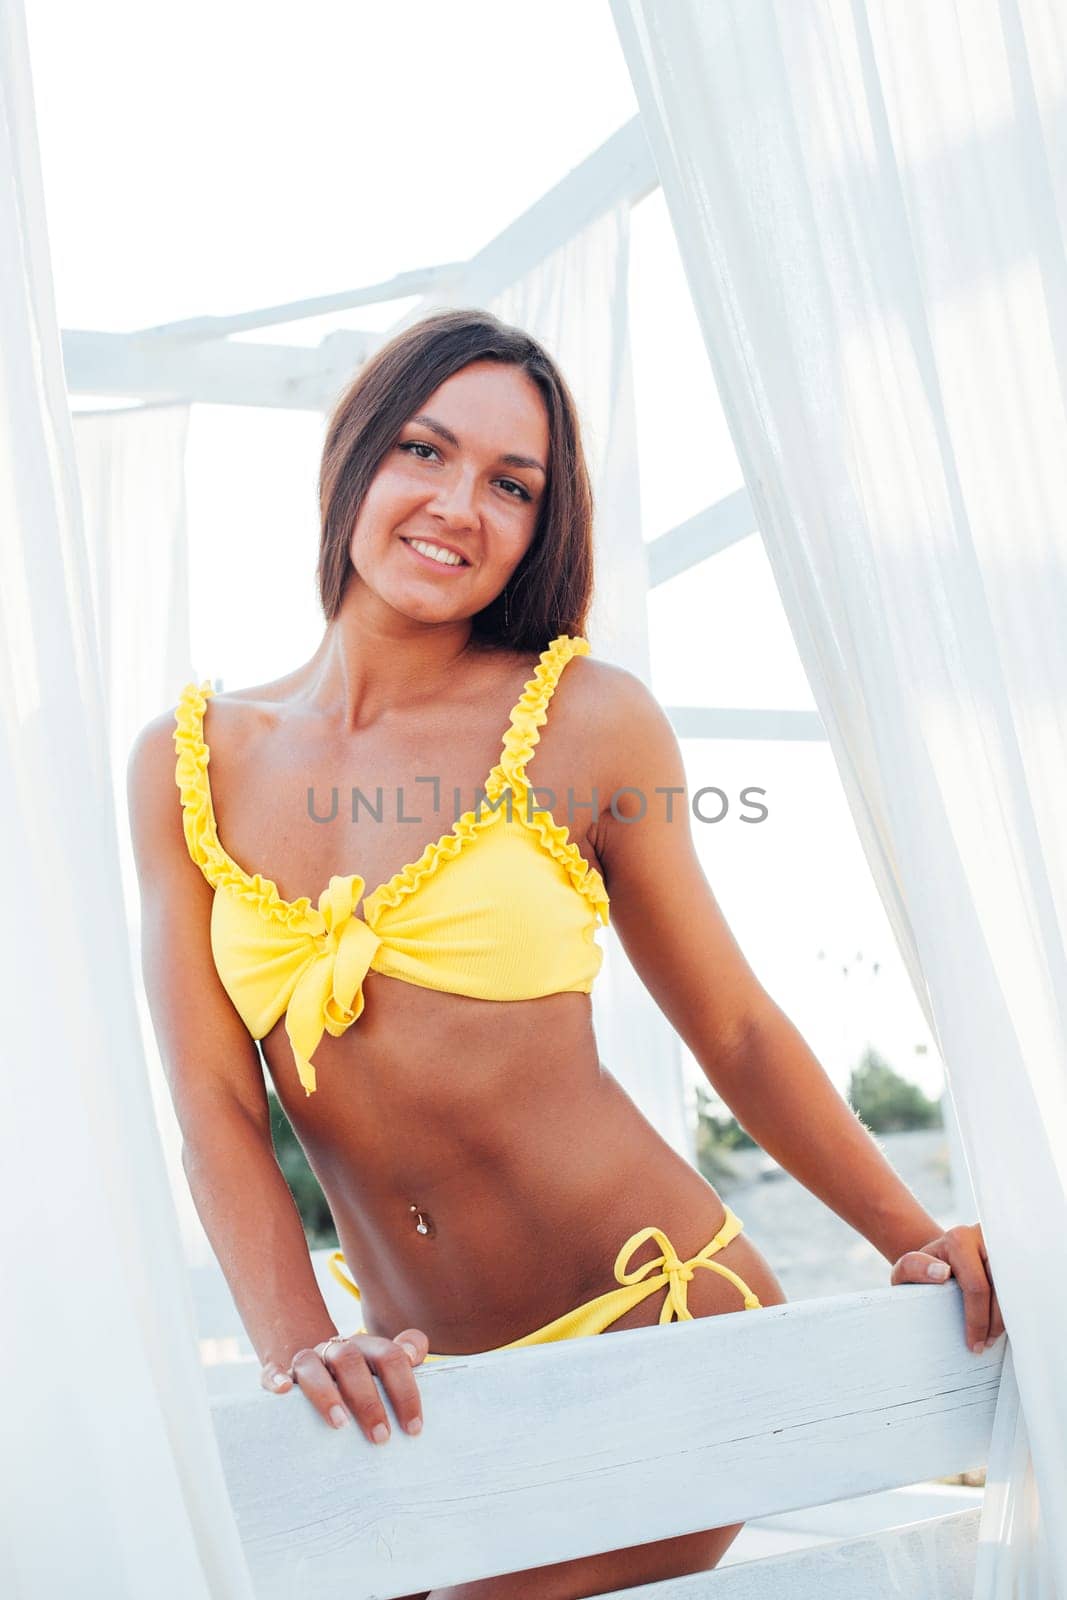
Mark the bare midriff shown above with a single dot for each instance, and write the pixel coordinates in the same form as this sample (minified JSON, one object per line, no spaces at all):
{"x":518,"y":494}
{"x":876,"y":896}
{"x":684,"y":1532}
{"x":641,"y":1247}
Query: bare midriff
{"x":496,"y":1121}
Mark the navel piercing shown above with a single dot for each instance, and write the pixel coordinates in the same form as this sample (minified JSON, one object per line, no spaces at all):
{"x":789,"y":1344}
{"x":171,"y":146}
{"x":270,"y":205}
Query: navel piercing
{"x":424,"y":1222}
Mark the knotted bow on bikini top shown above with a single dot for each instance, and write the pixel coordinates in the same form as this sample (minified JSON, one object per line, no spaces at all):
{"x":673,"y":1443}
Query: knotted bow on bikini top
{"x":502,"y":907}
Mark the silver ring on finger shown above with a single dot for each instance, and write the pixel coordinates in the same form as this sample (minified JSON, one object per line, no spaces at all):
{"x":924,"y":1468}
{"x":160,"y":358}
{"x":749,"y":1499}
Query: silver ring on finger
{"x":337,"y":1339}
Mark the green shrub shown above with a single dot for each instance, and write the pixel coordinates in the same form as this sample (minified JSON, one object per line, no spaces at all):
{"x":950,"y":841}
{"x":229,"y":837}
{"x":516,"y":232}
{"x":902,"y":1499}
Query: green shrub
{"x":303,"y":1185}
{"x":887,"y":1103}
{"x":716,"y":1136}
{"x":713,"y":1163}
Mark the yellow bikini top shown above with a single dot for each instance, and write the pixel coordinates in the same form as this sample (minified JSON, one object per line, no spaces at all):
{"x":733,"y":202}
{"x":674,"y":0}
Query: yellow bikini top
{"x":499,"y":908}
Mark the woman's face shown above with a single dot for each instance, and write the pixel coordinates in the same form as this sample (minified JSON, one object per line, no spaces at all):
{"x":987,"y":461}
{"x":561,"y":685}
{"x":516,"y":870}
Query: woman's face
{"x":466,"y":475}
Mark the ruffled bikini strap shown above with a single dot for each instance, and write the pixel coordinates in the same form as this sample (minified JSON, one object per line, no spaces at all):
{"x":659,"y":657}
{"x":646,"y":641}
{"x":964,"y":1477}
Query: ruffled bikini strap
{"x":190,"y":773}
{"x":531,"y":711}
{"x":524,"y":733}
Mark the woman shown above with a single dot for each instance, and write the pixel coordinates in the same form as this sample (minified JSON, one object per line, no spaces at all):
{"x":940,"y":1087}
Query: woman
{"x":426,"y":1021}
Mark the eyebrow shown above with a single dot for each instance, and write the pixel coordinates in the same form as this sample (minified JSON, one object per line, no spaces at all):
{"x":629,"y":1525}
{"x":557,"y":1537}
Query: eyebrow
{"x":446,"y":433}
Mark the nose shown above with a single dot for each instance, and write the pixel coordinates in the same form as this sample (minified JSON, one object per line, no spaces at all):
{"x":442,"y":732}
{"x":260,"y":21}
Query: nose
{"x":455,"y":502}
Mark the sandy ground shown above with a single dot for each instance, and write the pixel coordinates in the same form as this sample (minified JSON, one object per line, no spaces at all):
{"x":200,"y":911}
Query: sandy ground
{"x":810,"y":1248}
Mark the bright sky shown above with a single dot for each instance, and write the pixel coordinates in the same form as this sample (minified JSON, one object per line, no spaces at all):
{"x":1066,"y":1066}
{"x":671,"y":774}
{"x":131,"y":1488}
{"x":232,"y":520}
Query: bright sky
{"x":225,"y":156}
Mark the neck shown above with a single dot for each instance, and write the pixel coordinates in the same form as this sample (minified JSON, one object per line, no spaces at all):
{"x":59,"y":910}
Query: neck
{"x":373,"y":660}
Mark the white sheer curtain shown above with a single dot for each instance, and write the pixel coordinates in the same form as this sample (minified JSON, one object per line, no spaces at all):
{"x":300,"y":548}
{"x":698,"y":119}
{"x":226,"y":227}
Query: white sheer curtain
{"x":575,"y":302}
{"x":110,"y":1481}
{"x":131,"y":473}
{"x":870,"y":201}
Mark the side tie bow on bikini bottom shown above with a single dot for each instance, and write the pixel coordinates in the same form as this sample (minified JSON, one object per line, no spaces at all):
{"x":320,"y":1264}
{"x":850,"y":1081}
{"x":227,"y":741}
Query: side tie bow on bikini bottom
{"x":594,"y":1316}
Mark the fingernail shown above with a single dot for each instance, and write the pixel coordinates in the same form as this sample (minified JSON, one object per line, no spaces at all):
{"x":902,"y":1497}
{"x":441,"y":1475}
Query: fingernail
{"x":338,"y":1416}
{"x":978,"y":1346}
{"x":415,"y":1425}
{"x":279,"y":1380}
{"x":937,"y":1269}
{"x":379,"y":1433}
{"x":410,"y":1348}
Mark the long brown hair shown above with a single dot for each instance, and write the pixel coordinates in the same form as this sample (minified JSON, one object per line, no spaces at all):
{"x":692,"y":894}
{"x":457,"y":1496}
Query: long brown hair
{"x":551,"y":589}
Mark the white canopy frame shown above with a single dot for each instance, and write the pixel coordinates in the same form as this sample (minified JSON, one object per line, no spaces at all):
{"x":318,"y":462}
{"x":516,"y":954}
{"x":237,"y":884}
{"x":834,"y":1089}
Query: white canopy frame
{"x":198,"y":360}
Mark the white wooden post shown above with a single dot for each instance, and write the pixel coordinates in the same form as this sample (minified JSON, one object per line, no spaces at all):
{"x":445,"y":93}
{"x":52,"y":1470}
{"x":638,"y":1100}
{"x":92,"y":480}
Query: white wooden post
{"x":534,"y":1456}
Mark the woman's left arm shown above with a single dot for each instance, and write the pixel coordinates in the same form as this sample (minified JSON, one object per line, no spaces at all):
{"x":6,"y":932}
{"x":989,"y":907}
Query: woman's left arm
{"x":679,"y":943}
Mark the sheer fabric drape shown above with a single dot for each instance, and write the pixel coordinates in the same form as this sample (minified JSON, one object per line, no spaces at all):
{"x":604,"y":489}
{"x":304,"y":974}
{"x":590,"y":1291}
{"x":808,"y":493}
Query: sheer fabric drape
{"x":131,"y":473}
{"x":130,"y":465}
{"x":110,"y":1479}
{"x":870,"y":201}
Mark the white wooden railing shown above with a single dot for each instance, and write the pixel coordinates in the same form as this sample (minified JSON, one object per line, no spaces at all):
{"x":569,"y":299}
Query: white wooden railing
{"x":542,"y":1455}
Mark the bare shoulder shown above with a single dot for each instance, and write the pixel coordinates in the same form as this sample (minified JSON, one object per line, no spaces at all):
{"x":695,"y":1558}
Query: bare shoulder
{"x":150,"y":774}
{"x":614,"y":691}
{"x":235,"y":719}
{"x":151,"y":767}
{"x":165,"y":867}
{"x":627,"y":729}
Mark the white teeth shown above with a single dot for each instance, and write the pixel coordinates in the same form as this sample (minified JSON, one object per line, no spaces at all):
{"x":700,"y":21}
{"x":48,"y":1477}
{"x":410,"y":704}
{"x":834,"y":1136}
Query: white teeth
{"x":434,"y":551}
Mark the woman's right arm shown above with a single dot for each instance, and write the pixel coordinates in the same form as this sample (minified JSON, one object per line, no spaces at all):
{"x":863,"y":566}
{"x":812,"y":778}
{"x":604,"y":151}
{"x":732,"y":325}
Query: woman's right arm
{"x":220,"y":1099}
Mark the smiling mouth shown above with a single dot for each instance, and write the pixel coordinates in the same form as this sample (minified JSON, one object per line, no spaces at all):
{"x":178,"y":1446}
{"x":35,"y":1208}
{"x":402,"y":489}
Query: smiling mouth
{"x":448,"y":559}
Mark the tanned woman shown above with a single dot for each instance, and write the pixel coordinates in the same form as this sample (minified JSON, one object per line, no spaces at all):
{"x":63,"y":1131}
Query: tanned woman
{"x":420,"y":992}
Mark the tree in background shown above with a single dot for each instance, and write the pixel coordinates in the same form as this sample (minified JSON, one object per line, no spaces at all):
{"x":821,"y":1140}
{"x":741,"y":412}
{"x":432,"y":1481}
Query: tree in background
{"x":303,"y":1185}
{"x":884,"y":1101}
{"x":716,"y":1136}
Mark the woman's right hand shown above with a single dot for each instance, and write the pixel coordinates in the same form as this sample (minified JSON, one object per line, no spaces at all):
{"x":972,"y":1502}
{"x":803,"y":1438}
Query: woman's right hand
{"x":347,"y":1376}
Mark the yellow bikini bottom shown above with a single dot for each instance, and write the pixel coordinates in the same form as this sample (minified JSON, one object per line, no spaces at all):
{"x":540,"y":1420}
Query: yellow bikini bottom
{"x":664,"y":1270}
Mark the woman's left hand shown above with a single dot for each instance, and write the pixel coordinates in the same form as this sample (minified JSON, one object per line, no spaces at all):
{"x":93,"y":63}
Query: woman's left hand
{"x":960,"y":1252}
